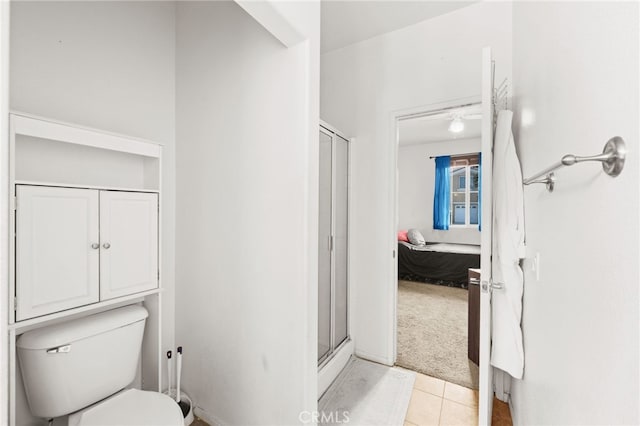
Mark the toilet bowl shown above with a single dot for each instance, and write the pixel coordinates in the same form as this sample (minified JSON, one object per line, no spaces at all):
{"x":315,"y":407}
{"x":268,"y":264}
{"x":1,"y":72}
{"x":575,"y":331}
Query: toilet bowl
{"x":83,"y":367}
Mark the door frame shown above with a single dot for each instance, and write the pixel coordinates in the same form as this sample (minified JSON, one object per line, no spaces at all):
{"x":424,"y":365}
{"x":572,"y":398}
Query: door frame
{"x":394,"y":120}
{"x":396,"y":117}
{"x":4,"y":211}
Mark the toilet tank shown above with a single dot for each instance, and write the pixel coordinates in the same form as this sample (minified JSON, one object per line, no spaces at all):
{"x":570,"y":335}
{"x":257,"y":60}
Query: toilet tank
{"x":68,"y":366}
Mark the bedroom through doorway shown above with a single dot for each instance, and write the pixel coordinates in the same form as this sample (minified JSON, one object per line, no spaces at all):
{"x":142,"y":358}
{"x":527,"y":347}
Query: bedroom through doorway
{"x":439,"y":204}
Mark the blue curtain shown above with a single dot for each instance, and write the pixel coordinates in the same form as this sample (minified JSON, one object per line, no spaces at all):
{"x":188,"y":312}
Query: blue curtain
{"x":442,"y":194}
{"x":480,"y":192}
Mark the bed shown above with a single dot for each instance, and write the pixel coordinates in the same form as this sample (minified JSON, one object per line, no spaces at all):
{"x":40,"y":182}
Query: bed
{"x":437,"y":263}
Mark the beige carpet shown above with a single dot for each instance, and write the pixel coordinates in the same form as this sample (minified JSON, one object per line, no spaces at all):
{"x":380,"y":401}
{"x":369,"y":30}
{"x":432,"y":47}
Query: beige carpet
{"x":432,"y":332}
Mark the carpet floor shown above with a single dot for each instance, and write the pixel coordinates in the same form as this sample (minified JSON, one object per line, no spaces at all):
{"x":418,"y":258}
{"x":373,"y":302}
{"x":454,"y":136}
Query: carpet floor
{"x":432,"y":332}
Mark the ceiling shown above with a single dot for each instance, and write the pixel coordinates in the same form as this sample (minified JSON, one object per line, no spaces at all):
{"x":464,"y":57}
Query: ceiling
{"x":348,"y":22}
{"x":435,"y":127}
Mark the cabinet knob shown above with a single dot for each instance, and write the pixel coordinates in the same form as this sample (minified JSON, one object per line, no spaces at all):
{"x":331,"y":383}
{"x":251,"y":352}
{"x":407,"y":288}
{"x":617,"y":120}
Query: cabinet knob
{"x":106,"y":245}
{"x":95,"y":246}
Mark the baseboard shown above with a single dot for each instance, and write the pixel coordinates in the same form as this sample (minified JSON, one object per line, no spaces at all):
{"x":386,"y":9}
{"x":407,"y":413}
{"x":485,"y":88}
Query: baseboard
{"x":373,"y":358}
{"x":326,"y":376}
{"x":207,"y":417}
{"x":514,"y":418}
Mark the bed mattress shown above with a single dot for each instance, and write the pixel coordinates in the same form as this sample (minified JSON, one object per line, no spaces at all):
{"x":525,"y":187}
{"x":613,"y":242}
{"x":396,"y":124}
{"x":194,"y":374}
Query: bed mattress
{"x":445,"y":248}
{"x":440,"y":263}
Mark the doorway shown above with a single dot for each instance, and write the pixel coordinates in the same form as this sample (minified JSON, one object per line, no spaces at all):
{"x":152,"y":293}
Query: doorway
{"x":438,"y":201}
{"x":488,"y":102}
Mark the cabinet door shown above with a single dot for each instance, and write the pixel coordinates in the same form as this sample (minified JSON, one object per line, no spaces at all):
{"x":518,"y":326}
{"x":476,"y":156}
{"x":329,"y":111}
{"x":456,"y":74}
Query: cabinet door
{"x":56,"y":249}
{"x":128,"y":243}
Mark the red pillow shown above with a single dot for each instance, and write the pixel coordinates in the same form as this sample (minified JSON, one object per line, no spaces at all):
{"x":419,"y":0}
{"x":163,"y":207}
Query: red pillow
{"x":402,"y":236}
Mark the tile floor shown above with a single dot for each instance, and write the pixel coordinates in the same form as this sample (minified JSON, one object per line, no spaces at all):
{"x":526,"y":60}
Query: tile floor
{"x":436,"y":402}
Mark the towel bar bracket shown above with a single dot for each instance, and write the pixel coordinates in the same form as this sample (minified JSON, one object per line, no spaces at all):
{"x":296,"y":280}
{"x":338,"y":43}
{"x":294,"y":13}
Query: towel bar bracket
{"x":549,"y":180}
{"x":617,"y":151}
{"x":612,"y":158}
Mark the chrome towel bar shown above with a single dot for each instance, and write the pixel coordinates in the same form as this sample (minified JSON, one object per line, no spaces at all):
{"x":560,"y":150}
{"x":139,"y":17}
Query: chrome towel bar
{"x":612,"y":159}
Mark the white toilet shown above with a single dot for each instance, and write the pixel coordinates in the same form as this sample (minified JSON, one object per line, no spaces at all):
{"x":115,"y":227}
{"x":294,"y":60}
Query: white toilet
{"x":81,"y":367}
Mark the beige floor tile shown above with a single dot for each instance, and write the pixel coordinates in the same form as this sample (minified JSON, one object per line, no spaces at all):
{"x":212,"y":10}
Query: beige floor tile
{"x":424,"y":409}
{"x":461,"y":394}
{"x":454,"y":414}
{"x":409,"y":424}
{"x":429,"y":384}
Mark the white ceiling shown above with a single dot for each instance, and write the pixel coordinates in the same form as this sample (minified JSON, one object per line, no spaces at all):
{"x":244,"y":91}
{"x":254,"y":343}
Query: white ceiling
{"x":435,"y":128}
{"x":348,"y":22}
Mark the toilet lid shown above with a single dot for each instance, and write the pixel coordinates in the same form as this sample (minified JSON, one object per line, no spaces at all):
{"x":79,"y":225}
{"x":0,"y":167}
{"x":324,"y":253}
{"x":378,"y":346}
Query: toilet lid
{"x":131,"y":407}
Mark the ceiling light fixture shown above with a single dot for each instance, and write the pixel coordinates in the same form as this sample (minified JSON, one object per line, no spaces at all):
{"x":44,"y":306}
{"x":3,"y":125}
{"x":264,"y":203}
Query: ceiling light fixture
{"x":456,"y":126}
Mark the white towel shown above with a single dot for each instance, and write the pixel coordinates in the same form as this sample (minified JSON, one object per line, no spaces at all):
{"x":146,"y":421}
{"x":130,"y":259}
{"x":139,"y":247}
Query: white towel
{"x":507,"y":351}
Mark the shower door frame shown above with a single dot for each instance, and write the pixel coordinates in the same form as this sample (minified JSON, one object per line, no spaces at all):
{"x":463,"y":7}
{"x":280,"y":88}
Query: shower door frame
{"x":331,"y":131}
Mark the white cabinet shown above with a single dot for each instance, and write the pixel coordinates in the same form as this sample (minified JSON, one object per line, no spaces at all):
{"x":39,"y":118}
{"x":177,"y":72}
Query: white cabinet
{"x":75,"y":247}
{"x":57,"y":262}
{"x":129,"y":243}
{"x":72,"y":190}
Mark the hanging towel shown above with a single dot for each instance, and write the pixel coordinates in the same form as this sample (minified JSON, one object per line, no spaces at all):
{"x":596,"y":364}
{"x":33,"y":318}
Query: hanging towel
{"x":507,"y":352}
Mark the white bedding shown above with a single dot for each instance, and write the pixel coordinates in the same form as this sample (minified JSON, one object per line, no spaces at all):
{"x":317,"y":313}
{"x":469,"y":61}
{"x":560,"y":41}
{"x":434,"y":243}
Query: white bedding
{"x":446,"y":248}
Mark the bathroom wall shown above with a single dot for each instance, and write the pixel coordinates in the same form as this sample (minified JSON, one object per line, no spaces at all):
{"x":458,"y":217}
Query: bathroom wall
{"x":433,"y":62}
{"x":246,"y":162}
{"x":4,"y":205}
{"x":416,"y":182}
{"x":108,"y":65}
{"x":576,"y":85}
{"x":248,"y":327}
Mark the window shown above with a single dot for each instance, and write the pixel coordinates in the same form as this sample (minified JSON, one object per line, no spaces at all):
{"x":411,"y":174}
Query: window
{"x":461,"y":181}
{"x":464,"y":198}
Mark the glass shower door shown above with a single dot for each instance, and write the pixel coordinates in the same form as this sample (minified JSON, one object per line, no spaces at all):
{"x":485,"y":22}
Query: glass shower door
{"x":340,"y":232}
{"x":324,"y":247}
{"x":333,"y":226}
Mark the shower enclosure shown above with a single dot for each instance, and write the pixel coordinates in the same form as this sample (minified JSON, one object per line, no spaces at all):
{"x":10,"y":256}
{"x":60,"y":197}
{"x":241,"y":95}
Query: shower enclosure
{"x":333,"y":327}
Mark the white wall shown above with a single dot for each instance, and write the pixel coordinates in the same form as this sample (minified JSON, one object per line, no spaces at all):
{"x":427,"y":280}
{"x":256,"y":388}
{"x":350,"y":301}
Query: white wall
{"x":416,"y":181}
{"x":245,"y":110}
{"x":250,"y":330}
{"x":4,"y":207}
{"x":577,"y":86}
{"x":108,"y":65}
{"x":432,"y":62}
